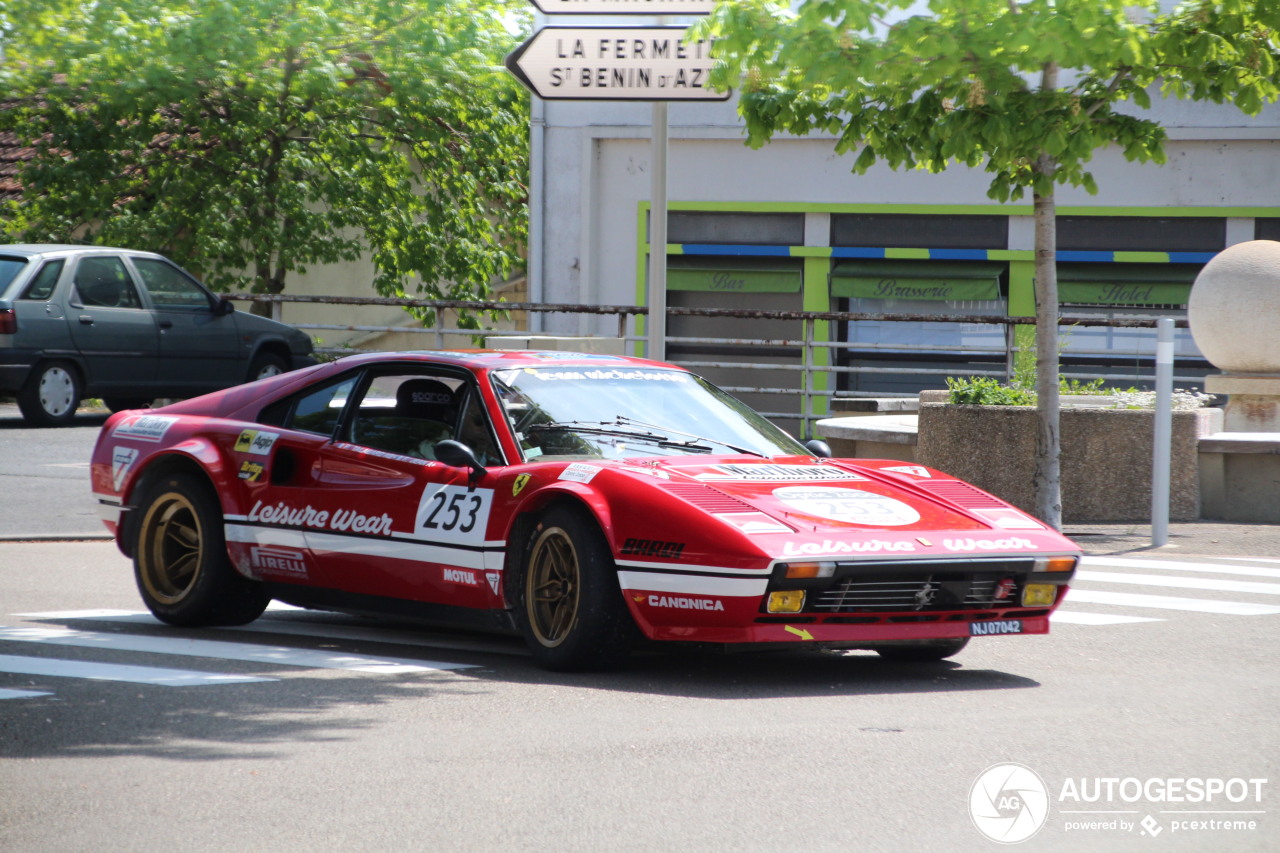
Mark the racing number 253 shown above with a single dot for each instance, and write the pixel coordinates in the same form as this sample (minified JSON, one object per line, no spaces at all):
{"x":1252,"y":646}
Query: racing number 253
{"x":457,"y":508}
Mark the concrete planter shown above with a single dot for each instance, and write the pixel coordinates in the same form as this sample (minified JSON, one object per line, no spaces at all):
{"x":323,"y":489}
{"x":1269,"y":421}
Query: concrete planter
{"x":1106,"y":457}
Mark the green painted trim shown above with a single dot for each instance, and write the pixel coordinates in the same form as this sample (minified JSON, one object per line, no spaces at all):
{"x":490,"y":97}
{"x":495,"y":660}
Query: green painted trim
{"x":907,"y":254}
{"x":1018,"y":209}
{"x":1011,"y":255}
{"x":817,"y":297}
{"x":1022,"y":288}
{"x":810,"y":251}
{"x":1141,"y":257}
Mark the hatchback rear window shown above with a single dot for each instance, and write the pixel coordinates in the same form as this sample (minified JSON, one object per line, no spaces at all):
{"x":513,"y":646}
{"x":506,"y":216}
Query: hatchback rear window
{"x":9,"y":269}
{"x":41,"y":287}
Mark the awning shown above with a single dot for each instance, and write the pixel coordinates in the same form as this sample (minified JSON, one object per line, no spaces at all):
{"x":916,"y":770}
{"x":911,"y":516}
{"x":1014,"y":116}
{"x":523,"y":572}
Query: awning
{"x":732,"y":276}
{"x":933,"y":281}
{"x":1126,"y":284}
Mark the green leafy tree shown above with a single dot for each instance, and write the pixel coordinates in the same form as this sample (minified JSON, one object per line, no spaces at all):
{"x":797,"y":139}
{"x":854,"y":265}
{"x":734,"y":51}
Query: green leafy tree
{"x":1026,"y":89}
{"x":252,"y":139}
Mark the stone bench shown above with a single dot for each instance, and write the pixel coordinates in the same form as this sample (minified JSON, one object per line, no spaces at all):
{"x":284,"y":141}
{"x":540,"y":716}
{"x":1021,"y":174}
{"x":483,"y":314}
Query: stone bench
{"x":1240,"y":476}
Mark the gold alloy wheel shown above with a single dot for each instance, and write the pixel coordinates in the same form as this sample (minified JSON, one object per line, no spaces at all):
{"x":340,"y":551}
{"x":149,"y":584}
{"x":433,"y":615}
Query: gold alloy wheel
{"x":169,"y":553}
{"x":553,"y":587}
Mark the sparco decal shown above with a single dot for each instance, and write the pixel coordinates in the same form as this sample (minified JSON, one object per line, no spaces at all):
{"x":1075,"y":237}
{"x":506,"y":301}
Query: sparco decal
{"x":346,"y":520}
{"x":682,"y":603}
{"x":653,"y":548}
{"x":996,"y":626}
{"x":827,"y":546}
{"x":1014,"y":543}
{"x":144,"y":427}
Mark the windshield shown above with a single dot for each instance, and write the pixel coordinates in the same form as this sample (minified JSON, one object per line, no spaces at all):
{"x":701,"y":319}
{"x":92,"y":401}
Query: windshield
{"x":616,"y":412}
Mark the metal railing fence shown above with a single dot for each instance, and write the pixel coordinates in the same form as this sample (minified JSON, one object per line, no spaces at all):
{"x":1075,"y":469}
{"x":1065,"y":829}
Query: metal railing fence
{"x":813,"y":396}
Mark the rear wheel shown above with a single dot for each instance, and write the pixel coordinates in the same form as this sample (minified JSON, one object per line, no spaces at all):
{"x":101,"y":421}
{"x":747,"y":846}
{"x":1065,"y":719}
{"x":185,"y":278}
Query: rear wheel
{"x":180,"y":561}
{"x":922,"y":651}
{"x":50,"y":395}
{"x":570,"y":606}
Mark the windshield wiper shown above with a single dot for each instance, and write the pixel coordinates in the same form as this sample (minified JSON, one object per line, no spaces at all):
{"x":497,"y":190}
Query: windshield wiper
{"x":614,"y":428}
{"x":696,"y":442}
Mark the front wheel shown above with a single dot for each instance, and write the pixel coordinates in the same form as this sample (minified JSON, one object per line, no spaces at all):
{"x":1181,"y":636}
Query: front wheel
{"x":180,"y":561}
{"x":570,"y":607}
{"x":50,"y":395}
{"x":922,"y":651}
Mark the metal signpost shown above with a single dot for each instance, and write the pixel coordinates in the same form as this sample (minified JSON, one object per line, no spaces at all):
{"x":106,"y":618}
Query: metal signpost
{"x":638,"y":63}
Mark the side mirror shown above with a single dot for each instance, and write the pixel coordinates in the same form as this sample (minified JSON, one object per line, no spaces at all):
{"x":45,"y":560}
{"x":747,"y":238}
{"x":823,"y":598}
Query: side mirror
{"x":455,"y":454}
{"x":224,"y":307}
{"x":818,"y":448}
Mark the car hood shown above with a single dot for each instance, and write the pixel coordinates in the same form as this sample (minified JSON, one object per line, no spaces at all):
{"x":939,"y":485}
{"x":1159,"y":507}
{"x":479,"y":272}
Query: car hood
{"x":800,"y":506}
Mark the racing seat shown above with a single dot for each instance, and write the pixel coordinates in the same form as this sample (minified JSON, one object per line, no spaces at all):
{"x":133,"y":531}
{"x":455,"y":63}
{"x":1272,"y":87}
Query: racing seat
{"x":425,"y":413}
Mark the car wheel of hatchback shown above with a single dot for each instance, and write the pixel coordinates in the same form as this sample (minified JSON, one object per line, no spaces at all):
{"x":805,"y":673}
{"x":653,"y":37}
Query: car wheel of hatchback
{"x":50,"y":395}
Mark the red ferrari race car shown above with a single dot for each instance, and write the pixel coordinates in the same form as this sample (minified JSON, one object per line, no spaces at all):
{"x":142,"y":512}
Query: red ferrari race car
{"x":587,"y":502}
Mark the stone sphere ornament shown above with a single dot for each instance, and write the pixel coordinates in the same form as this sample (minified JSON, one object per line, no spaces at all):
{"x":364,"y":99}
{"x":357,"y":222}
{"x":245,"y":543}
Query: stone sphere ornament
{"x":1234,"y":309}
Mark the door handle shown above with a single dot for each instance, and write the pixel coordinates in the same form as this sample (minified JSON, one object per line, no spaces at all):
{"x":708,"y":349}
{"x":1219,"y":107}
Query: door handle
{"x":166,"y":324}
{"x":86,"y":320}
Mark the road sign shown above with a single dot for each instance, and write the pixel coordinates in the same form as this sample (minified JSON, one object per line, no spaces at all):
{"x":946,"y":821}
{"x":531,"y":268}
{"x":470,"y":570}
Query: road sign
{"x":625,"y":7}
{"x":615,"y":64}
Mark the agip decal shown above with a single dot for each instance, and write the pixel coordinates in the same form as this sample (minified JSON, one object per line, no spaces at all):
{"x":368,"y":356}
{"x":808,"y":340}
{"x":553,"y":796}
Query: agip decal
{"x":255,"y":441}
{"x":850,"y":506}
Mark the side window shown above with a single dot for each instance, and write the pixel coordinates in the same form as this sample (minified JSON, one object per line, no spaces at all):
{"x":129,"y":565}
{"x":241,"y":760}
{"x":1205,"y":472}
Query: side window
{"x":105,"y":283}
{"x":41,"y":287}
{"x":317,"y":411}
{"x":407,"y":414}
{"x":475,"y":431}
{"x":169,"y":286}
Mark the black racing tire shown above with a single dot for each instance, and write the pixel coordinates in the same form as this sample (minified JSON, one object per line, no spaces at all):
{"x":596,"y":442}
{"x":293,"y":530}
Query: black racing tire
{"x":51,"y":394}
{"x":266,"y":364}
{"x":922,"y":651}
{"x":568,"y":603}
{"x":120,"y":404}
{"x":180,"y":560}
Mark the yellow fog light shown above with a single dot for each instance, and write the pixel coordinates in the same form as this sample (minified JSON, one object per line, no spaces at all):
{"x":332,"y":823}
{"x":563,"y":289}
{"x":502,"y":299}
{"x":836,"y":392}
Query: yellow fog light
{"x":1039,"y":594}
{"x":786,"y":601}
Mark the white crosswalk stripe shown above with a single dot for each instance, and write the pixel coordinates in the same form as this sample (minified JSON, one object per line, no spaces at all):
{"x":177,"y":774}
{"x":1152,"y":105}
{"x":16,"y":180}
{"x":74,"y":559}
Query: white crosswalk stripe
{"x":227,"y":650}
{"x":1098,"y":577}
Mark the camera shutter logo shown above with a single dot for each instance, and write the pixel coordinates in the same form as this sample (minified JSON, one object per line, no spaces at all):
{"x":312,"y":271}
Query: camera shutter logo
{"x":1008,"y":803}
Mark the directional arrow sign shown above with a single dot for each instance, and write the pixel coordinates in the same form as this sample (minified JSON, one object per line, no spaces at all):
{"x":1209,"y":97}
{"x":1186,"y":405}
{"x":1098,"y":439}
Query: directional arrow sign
{"x":615,"y":64}
{"x":625,"y":7}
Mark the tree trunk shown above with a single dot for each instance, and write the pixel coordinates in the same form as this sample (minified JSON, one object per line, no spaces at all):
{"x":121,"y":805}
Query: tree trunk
{"x":1047,"y":478}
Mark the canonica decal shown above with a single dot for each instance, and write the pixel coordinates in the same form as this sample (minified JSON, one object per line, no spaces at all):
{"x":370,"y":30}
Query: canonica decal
{"x":122,"y":459}
{"x":454,"y":514}
{"x":851,"y":506}
{"x":144,"y":427}
{"x":256,"y":441}
{"x":764,"y":472}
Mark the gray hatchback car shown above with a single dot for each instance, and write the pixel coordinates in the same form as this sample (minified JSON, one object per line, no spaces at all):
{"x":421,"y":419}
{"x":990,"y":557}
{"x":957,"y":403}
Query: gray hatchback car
{"x":126,"y":326}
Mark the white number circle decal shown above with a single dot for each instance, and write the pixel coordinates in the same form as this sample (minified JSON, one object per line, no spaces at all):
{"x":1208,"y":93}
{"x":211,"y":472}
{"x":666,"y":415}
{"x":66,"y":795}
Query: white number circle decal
{"x":852,"y":506}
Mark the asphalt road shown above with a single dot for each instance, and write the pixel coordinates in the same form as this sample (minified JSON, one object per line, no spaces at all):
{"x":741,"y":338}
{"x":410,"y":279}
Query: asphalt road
{"x":314,"y":732}
{"x":44,"y":476}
